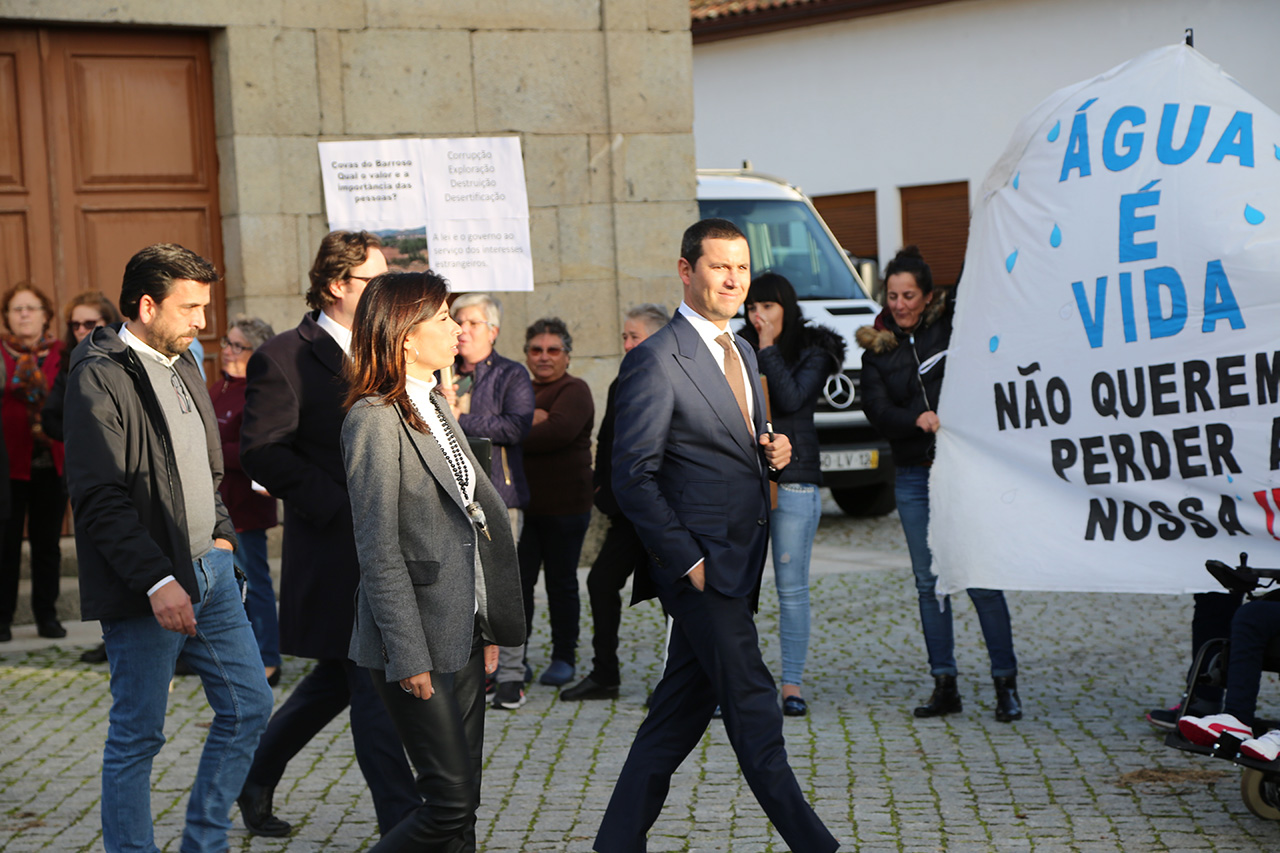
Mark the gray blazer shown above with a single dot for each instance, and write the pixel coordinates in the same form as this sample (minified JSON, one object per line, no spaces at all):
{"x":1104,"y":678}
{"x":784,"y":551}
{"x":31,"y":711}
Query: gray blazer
{"x":415,"y":608}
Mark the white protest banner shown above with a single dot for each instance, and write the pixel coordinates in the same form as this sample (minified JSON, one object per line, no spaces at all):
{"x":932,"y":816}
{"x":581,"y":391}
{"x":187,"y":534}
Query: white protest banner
{"x":1111,"y":412}
{"x":469,"y":193}
{"x":478,"y":212}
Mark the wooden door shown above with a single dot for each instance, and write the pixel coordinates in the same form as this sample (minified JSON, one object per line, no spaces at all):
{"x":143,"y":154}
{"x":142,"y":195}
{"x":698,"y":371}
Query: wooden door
{"x":936,"y":218}
{"x":119,"y":152}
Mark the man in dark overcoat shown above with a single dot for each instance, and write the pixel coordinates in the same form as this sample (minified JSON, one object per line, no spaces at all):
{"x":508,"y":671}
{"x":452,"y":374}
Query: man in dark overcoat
{"x":291,"y":444}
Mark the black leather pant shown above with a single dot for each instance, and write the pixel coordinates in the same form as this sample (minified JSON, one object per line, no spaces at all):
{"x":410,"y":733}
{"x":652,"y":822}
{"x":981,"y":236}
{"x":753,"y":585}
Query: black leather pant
{"x":444,"y":737}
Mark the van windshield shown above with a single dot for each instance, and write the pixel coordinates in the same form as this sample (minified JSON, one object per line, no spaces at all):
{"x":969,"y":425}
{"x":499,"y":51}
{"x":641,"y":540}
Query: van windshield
{"x":786,"y":238}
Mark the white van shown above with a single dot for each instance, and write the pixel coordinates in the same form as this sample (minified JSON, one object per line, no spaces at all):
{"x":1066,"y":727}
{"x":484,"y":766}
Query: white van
{"x":787,"y":236}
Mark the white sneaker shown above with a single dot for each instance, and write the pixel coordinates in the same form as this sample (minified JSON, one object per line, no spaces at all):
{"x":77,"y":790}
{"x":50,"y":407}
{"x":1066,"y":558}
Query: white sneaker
{"x":1264,"y":748}
{"x":1204,"y":731}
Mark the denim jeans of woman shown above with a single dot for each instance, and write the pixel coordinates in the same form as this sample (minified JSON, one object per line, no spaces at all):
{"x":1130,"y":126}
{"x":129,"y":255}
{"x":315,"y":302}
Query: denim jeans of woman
{"x":260,"y":597}
{"x":912,"y":491}
{"x":792,"y":527}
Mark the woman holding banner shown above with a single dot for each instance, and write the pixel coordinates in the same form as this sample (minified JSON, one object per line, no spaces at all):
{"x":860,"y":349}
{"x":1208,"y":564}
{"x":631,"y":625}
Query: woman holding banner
{"x":902,"y":369}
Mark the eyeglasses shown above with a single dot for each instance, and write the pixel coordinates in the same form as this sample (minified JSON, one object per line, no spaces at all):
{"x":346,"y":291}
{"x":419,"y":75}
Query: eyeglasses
{"x":364,"y":278}
{"x":472,"y":323}
{"x":25,"y":309}
{"x":180,"y":388}
{"x":238,"y":349}
{"x":87,"y":325}
{"x":549,"y":350}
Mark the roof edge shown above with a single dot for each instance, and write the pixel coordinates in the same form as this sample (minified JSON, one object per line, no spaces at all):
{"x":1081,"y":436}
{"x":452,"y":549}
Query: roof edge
{"x":790,"y":16}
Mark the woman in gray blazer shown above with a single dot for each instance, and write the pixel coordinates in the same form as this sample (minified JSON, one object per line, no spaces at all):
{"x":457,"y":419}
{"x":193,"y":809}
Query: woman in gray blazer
{"x":439,"y":582}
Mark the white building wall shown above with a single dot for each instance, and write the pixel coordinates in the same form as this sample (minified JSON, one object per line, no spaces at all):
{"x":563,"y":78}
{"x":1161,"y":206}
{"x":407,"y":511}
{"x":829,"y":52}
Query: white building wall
{"x":932,"y":95}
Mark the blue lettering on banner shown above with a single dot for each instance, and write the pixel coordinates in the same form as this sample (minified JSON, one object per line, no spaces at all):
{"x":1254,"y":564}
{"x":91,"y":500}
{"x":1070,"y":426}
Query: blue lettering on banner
{"x":1077,"y":156}
{"x":1111,"y":157}
{"x":1131,"y":224}
{"x":1165,"y":151}
{"x":1167,"y":278}
{"x":1236,"y":140}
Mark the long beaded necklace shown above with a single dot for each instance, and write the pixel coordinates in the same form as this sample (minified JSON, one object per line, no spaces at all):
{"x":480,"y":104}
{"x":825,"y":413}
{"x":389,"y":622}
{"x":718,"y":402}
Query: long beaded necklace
{"x":458,"y":465}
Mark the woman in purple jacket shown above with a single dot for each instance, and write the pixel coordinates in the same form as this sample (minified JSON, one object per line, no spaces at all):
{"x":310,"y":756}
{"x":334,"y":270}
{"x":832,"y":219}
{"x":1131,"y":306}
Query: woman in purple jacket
{"x":252,"y":511}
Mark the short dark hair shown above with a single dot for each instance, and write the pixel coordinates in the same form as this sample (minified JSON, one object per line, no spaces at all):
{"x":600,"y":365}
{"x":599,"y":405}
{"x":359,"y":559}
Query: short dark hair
{"x":909,"y":260}
{"x":549,"y":326}
{"x":152,"y":272}
{"x":706,"y":229}
{"x":340,"y":252}
{"x":392,"y":304}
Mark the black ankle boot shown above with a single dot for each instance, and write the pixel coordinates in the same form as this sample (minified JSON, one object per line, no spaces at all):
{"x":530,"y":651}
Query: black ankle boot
{"x":1008,"y":706}
{"x":945,"y":698}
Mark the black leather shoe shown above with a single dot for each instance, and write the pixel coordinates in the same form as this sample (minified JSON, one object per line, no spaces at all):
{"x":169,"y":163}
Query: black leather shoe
{"x":945,"y":698}
{"x":51,"y":628}
{"x":1008,"y":706}
{"x":794,"y":706}
{"x":97,"y":654}
{"x":588,"y":688}
{"x":255,"y":810}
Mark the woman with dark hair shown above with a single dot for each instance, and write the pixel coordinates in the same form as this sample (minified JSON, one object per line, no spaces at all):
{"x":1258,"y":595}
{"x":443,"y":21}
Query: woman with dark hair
{"x":902,"y":371}
{"x":557,"y":464}
{"x":253,"y":511}
{"x":85,"y":312}
{"x":37,"y":492}
{"x":439,"y":588}
{"x":796,"y":358}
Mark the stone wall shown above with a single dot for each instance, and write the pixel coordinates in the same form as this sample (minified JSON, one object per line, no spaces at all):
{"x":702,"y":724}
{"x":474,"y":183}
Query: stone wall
{"x":600,"y":92}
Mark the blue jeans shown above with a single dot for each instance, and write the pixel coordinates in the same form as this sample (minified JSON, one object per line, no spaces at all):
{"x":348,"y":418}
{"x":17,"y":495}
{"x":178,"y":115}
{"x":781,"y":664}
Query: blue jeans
{"x":912,"y":492}
{"x":792,"y":527}
{"x":142,"y":656}
{"x":260,"y":598}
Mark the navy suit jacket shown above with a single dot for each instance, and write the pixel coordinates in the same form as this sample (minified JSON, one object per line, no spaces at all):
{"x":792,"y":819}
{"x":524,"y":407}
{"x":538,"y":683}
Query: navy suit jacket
{"x":686,"y":472}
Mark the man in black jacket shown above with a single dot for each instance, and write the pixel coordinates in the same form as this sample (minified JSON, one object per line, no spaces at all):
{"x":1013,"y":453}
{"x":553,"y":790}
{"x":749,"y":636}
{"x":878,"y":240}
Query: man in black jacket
{"x":154,"y":544}
{"x":291,"y":443}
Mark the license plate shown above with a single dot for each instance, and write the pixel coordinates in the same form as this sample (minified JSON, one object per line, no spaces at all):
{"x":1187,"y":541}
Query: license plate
{"x":850,"y":460}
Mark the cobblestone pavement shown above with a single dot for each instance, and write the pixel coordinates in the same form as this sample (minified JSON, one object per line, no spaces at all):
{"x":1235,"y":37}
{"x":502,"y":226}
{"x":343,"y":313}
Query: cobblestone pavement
{"x":1082,"y":771}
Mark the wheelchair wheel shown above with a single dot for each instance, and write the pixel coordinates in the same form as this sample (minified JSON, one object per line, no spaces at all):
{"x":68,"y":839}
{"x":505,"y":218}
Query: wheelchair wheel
{"x":1261,"y":793}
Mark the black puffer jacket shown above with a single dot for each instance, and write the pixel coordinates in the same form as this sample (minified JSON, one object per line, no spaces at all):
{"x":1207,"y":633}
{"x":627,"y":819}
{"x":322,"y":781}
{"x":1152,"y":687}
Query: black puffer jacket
{"x":793,"y":396}
{"x":894,"y":391}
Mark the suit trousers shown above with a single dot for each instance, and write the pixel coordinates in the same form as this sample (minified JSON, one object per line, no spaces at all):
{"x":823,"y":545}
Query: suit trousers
{"x":621,"y":555}
{"x":713,"y":658}
{"x":330,"y":687}
{"x":444,"y":736}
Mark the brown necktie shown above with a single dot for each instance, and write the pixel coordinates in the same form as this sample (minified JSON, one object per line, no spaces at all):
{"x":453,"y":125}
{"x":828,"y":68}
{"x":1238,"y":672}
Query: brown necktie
{"x":733,"y":372}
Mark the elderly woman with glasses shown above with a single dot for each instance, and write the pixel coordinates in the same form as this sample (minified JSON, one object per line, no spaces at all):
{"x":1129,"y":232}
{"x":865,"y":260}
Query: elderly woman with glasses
{"x":557,"y":462}
{"x":37,"y":491}
{"x":492,"y":398}
{"x":252,"y":510}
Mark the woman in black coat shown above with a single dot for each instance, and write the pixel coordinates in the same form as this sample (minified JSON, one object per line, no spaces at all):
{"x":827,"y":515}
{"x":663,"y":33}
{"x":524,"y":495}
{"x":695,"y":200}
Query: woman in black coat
{"x":902,"y":372}
{"x":796,"y":359}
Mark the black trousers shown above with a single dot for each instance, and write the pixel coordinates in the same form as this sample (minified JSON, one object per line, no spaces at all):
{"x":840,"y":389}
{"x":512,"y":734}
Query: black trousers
{"x":714,"y":658}
{"x":444,"y":736}
{"x":330,"y":687}
{"x":554,"y":543}
{"x":621,"y":555}
{"x":41,"y":502}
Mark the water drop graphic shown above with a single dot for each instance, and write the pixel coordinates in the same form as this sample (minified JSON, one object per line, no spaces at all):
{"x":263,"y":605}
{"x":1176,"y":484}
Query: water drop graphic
{"x":1229,"y":480}
{"x":1010,"y":261}
{"x":994,"y":343}
{"x":1253,"y":216}
{"x":1018,"y":176}
{"x":1055,"y":237}
{"x":1053,"y":134}
{"x":1278,"y":152}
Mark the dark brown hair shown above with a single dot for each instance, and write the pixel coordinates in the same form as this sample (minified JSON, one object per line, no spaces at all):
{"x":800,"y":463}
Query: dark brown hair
{"x":910,"y":261}
{"x":392,"y":304}
{"x":340,"y":252}
{"x":45,"y":302}
{"x":153,"y":270}
{"x":706,"y":229}
{"x":94,"y":299}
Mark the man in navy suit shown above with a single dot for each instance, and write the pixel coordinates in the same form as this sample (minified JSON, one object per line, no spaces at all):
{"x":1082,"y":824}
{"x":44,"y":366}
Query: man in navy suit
{"x":691,"y":464}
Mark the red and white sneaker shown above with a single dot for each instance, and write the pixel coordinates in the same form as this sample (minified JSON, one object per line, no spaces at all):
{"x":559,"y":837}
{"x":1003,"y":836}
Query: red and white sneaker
{"x":1265,"y":748}
{"x":1204,"y":731}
